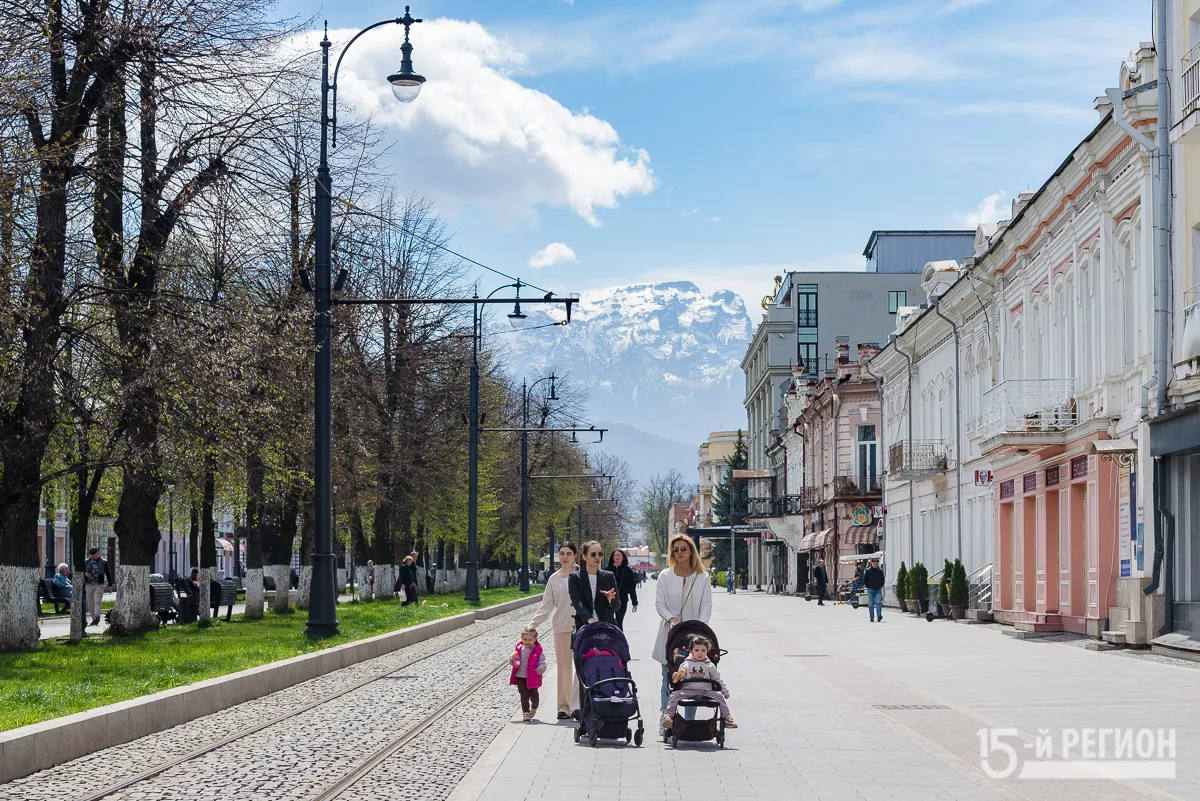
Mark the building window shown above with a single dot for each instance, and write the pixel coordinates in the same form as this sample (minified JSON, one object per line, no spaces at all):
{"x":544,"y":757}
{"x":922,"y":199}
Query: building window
{"x":806,"y":306}
{"x":896,"y":299}
{"x":868,"y":449}
{"x":806,"y":354}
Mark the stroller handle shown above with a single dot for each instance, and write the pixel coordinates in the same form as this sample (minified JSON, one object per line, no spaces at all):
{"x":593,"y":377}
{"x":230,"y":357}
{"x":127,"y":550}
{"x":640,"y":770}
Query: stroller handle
{"x":716,"y":685}
{"x":613,"y":680}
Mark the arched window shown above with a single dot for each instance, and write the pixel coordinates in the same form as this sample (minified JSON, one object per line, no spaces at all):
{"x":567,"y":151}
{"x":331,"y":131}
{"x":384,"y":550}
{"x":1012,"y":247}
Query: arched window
{"x":941,"y":414}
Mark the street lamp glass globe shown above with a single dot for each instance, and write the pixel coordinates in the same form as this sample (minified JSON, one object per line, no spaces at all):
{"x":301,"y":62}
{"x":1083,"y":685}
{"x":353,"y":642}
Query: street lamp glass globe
{"x":517,"y":317}
{"x":406,"y":85}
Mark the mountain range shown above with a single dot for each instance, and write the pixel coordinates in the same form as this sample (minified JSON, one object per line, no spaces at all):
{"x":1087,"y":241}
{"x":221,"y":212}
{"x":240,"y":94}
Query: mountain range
{"x":660,"y":363}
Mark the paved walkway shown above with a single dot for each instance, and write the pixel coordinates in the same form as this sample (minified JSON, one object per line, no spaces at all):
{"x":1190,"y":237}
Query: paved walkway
{"x":831,"y":706}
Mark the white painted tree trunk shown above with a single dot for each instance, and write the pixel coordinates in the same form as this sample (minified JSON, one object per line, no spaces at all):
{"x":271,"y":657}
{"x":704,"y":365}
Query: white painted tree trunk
{"x":78,"y":593}
{"x":364,"y":586}
{"x":205,"y":611}
{"x":19,"y":627}
{"x":305,"y":587}
{"x":283,"y":585}
{"x":254,"y":593}
{"x":131,"y":611}
{"x":385,"y":579}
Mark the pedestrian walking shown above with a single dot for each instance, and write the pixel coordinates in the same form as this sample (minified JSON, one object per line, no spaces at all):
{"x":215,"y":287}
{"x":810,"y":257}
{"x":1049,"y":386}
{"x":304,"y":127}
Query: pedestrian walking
{"x":873,"y":578}
{"x":729,"y":582}
{"x":62,"y":580}
{"x":821,"y":579}
{"x":556,"y":607}
{"x":406,"y":579}
{"x":593,"y":591}
{"x":368,"y":588}
{"x":683,"y":593}
{"x":698,"y":666}
{"x":528,"y":665}
{"x":627,"y":583}
{"x":95,"y":577}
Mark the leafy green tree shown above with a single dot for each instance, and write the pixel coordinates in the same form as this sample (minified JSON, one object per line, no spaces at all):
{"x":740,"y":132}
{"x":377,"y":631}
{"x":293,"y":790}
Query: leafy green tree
{"x":731,"y":498}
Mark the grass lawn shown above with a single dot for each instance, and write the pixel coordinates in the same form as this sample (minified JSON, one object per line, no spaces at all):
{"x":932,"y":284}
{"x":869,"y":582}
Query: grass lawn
{"x":59,"y":679}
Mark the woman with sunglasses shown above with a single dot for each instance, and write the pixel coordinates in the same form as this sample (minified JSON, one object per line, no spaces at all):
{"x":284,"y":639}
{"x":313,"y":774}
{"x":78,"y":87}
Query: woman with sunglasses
{"x":683,"y":593}
{"x":593,"y":591}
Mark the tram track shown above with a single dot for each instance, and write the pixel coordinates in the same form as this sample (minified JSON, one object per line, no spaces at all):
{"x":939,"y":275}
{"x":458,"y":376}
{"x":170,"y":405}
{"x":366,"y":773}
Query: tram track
{"x":359,"y":771}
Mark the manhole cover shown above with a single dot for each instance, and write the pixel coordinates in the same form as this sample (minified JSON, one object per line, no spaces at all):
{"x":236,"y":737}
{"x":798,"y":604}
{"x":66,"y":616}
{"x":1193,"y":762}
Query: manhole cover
{"x":911,"y":706}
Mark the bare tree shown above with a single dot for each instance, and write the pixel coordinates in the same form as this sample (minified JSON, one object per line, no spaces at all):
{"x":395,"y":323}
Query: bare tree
{"x":658,"y":496}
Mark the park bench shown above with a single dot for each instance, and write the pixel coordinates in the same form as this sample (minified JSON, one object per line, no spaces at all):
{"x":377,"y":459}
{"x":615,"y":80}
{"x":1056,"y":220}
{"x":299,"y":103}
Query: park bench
{"x":51,"y":593}
{"x":268,"y":583}
{"x":162,"y":601}
{"x":223,"y":593}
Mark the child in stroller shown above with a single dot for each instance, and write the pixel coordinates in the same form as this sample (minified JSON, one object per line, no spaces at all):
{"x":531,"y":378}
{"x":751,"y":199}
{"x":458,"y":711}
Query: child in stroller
{"x":696,"y":685}
{"x":607,"y":693}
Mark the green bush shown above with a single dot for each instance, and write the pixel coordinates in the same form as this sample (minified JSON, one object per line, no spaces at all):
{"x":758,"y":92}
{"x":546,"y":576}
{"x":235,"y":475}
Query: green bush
{"x":918,"y":582}
{"x":722,"y":576}
{"x":959,"y":591}
{"x":943,"y":596}
{"x":902,"y":583}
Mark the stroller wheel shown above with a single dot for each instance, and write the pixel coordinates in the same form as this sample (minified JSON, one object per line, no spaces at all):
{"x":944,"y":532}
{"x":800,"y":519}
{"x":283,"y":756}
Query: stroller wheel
{"x":628,"y":735}
{"x":593,"y":739}
{"x":637,"y":738}
{"x":674,"y":740}
{"x":578,"y":733}
{"x":854,"y":604}
{"x":721,"y":740}
{"x":929,"y":616}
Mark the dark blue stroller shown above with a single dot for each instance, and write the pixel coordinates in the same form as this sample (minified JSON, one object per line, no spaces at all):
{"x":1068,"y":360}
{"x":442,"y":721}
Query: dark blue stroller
{"x":607,"y":693}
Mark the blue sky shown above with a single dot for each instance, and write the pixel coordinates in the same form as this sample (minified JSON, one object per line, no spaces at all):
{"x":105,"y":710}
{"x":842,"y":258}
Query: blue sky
{"x":724,"y":142}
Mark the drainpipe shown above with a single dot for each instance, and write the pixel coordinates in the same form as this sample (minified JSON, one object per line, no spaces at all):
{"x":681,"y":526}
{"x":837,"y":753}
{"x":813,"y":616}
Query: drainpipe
{"x":937,"y":309}
{"x":1162,"y":210}
{"x":912,"y":505}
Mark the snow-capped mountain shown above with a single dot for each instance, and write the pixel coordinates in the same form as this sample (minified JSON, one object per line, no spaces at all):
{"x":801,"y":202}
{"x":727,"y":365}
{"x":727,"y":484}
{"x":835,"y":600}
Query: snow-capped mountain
{"x":662,"y":358}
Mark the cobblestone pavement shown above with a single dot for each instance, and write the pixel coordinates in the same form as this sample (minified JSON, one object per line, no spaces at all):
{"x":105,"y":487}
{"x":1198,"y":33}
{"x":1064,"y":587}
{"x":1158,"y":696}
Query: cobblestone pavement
{"x":831,"y":706}
{"x":297,"y":758}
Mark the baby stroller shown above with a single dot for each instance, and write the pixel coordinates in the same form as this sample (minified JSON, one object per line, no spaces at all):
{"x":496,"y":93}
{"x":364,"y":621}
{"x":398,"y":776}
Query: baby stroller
{"x":702,"y":730}
{"x":607,"y":693}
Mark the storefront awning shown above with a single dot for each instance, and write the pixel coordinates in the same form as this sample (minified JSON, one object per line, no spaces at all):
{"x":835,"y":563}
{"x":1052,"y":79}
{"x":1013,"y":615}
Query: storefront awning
{"x":861,"y":535}
{"x":225,"y":545}
{"x":817,"y":539}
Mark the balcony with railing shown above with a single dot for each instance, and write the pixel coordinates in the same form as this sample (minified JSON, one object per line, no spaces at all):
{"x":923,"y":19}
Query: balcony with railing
{"x":1188,"y":367}
{"x":773,"y":507}
{"x":1189,"y":73}
{"x":922,"y":458}
{"x":1028,"y":413}
{"x":857,"y":486}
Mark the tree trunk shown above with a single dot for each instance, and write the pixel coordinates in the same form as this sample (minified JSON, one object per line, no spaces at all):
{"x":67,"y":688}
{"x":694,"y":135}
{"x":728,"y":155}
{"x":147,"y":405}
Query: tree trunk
{"x":137,"y":533}
{"x":194,"y":540}
{"x":131,"y":612}
{"x":307,"y":527}
{"x":255,"y":475}
{"x":19,"y":627}
{"x":302,"y":594}
{"x":283,"y":585}
{"x":208,"y":537}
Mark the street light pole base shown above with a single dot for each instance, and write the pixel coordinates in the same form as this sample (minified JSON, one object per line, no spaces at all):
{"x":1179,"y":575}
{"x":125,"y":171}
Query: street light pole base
{"x":322,"y":630}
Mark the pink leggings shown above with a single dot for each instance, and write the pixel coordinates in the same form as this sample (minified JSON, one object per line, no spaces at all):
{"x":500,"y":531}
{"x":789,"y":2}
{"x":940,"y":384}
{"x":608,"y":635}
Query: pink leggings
{"x":694,"y":693}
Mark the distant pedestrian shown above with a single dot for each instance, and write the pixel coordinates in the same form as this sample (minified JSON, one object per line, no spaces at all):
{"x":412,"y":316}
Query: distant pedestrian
{"x":369,"y":583}
{"x":873,"y":578}
{"x":528,"y":665}
{"x":618,"y":565}
{"x":729,"y":582}
{"x":821,"y":579}
{"x":408,"y":579}
{"x":95,"y":578}
{"x":556,"y":606}
{"x":62,"y":580}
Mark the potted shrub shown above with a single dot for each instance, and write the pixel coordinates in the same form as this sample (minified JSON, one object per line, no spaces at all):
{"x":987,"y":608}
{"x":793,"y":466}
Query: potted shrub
{"x":943,"y":593}
{"x":913,"y":589}
{"x":959,"y":591}
{"x":918,"y":582}
{"x":902,"y":587}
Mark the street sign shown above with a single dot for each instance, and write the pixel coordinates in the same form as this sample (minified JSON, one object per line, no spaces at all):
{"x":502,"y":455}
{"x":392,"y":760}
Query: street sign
{"x":983,"y":478}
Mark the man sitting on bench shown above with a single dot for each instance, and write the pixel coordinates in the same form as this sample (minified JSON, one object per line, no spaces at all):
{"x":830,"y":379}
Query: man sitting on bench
{"x":62,"y":582}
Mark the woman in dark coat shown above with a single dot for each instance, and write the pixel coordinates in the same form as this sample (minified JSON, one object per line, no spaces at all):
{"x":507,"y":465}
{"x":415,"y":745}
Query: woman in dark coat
{"x":593,"y":591}
{"x":627,"y":583}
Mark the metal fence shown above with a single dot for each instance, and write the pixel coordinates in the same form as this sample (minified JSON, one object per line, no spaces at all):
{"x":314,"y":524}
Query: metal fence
{"x":1191,"y":79}
{"x":1029,"y":405}
{"x":922,"y":457}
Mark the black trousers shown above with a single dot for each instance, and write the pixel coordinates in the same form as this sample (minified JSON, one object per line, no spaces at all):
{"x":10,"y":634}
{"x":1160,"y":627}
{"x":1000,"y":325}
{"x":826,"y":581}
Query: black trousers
{"x":410,"y":594}
{"x":621,"y":612}
{"x":820,"y":595}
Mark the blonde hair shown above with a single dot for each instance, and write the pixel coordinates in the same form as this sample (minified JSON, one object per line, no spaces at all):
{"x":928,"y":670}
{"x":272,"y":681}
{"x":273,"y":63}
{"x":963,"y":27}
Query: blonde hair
{"x":693,"y":558}
{"x":530,"y":630}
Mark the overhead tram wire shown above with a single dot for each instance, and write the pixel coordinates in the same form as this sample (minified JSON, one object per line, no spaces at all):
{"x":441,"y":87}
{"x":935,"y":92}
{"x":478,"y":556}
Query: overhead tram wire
{"x":436,"y":244}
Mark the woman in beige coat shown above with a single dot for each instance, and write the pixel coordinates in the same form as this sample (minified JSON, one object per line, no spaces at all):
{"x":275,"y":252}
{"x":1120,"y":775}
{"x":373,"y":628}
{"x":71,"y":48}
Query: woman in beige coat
{"x":556,"y":606}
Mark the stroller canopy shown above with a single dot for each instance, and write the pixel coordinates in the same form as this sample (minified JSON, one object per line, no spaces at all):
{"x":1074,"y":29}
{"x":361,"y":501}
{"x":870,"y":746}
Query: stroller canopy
{"x":678,"y":638}
{"x":602,"y":637}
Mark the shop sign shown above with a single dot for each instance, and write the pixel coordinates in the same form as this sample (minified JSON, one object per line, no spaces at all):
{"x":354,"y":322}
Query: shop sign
{"x":1126,"y":525}
{"x":983,"y":478}
{"x":1029,"y":482}
{"x":861,"y":515}
{"x":1079,"y":467}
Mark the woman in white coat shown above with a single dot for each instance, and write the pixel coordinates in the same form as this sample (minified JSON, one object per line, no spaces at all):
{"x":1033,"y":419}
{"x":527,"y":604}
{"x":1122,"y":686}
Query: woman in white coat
{"x":556,"y":606}
{"x":683,"y":594}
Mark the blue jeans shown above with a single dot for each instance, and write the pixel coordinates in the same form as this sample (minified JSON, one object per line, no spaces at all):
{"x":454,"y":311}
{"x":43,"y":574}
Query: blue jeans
{"x":875,"y":603}
{"x":689,"y":712}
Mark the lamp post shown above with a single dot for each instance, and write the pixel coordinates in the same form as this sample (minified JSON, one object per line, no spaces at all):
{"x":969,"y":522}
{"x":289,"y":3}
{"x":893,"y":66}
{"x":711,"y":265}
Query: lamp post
{"x":551,"y":398}
{"x":171,"y":532}
{"x":406,"y":84}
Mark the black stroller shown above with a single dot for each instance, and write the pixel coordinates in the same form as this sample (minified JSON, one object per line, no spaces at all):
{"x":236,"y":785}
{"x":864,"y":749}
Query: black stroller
{"x":607,"y":693}
{"x":705,"y":729}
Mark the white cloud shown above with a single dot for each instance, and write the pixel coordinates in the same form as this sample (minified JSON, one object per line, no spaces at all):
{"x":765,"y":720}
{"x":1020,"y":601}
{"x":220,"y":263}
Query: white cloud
{"x":876,"y":58}
{"x":962,"y":5}
{"x":1032,"y":108}
{"x":554,"y":253}
{"x":476,"y":135}
{"x":689,"y":212}
{"x":993,"y":208}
